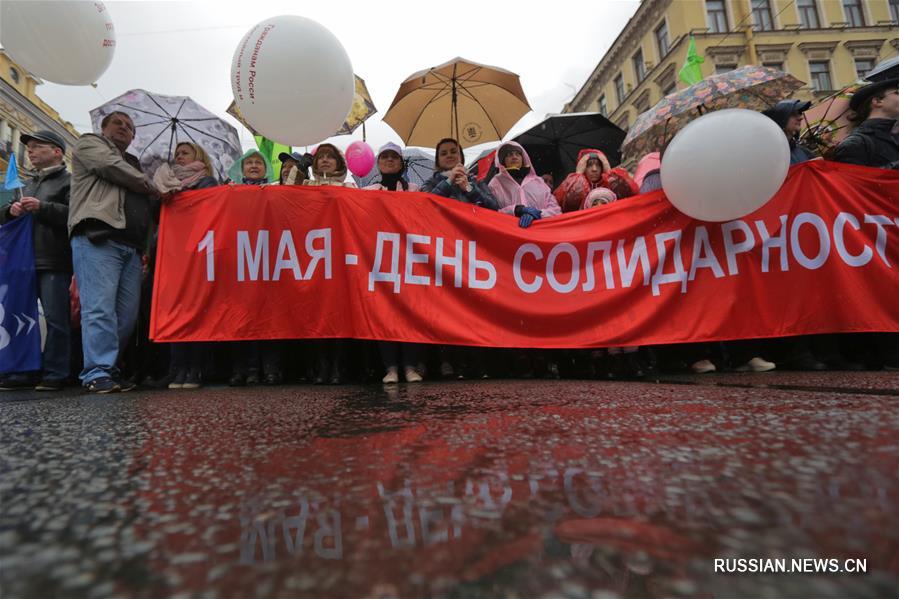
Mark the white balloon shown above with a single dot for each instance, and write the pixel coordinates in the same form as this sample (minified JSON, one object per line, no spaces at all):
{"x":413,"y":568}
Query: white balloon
{"x":61,"y":41}
{"x":725,"y":165}
{"x":292,"y":80}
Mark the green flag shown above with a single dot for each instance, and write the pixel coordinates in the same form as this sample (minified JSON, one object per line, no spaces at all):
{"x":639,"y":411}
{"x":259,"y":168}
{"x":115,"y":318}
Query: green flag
{"x":691,"y":72}
{"x":271,"y":150}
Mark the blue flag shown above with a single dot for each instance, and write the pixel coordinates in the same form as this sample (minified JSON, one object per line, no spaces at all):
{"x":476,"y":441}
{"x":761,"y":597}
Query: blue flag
{"x":12,"y":175}
{"x":20,"y":335}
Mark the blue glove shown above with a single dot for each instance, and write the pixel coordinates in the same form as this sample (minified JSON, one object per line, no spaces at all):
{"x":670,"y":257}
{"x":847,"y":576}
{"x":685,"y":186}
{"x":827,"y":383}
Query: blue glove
{"x":527,"y":215}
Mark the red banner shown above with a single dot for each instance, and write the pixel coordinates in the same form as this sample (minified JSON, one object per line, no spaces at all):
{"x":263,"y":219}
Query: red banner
{"x":315,"y":262}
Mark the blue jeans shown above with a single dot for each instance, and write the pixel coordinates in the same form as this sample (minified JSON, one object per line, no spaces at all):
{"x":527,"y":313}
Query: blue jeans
{"x":53,"y":289}
{"x":108,"y":276}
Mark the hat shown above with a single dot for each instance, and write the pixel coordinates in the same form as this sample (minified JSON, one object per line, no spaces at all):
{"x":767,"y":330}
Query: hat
{"x":292,"y":156}
{"x":868,"y":91}
{"x":781,"y":112}
{"x":390,"y":147}
{"x":603,"y":194}
{"x":45,"y":137}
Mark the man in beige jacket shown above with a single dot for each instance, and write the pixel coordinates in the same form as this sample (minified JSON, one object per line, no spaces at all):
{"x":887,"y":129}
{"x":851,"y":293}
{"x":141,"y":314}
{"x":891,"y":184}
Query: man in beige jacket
{"x":110,"y":211}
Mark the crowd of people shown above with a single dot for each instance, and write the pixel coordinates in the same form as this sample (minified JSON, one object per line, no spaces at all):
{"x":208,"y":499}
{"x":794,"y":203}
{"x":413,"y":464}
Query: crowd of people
{"x":99,"y":222}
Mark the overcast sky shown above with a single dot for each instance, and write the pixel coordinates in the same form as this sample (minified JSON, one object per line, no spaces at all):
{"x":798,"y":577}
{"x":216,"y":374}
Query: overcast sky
{"x":185,"y":48}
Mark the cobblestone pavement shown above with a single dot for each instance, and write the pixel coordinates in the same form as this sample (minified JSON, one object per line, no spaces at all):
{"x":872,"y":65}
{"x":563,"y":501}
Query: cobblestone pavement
{"x":473,"y":489}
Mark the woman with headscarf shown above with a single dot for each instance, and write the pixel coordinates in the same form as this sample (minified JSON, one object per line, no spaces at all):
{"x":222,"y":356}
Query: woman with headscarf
{"x":518,"y":189}
{"x":254,"y":168}
{"x":592,"y":171}
{"x":191,"y":169}
{"x":408,"y":355}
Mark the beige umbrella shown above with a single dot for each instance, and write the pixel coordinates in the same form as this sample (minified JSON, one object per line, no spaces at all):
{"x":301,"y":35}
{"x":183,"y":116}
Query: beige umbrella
{"x":471,"y":102}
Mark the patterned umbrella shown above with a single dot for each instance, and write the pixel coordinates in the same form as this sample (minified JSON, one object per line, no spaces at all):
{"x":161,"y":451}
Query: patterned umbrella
{"x":161,"y":122}
{"x":419,"y":168}
{"x":827,"y":122}
{"x":751,"y":87}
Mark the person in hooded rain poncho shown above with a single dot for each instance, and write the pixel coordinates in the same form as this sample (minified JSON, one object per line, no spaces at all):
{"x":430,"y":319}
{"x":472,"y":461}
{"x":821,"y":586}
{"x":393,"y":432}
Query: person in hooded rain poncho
{"x":592,"y":171}
{"x":253,"y":168}
{"x":518,"y":189}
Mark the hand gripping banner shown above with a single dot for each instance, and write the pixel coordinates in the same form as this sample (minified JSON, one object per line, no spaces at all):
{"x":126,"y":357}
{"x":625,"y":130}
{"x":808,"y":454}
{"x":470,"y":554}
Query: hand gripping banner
{"x":245,"y":262}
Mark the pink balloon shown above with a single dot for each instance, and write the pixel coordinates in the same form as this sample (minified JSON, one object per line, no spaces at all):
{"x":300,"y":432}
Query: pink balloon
{"x":360,"y":158}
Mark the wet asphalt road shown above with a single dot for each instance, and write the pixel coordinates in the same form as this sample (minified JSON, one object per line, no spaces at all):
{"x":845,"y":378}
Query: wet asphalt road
{"x":474,"y":489}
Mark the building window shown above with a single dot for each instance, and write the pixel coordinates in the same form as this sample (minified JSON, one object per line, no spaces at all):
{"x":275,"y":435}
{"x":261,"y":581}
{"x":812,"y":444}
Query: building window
{"x":894,"y":10}
{"x":662,"y":39}
{"x":854,"y":14}
{"x":774,"y":65}
{"x":716,"y":15}
{"x":724,"y":68}
{"x":761,"y":15}
{"x":670,"y":88}
{"x":603,"y":107}
{"x":619,"y":89}
{"x":622,"y":123}
{"x":808,"y":14}
{"x":14,"y":74}
{"x":820,"y":72}
{"x":639,"y":65}
{"x":862,"y":66}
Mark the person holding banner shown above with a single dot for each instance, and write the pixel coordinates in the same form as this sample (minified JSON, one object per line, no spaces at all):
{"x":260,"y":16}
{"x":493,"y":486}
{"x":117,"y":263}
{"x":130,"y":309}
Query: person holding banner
{"x":517,"y":188}
{"x":254,"y":168}
{"x":110,"y":213}
{"x":192,"y":169}
{"x":874,"y":143}
{"x":46,"y":198}
{"x":452,"y":180}
{"x":393,"y":354}
{"x":329,"y":167}
{"x":592,"y":171}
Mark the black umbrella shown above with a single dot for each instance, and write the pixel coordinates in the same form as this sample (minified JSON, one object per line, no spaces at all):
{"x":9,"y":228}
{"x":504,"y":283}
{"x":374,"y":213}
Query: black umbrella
{"x":554,"y":143}
{"x":886,"y":69}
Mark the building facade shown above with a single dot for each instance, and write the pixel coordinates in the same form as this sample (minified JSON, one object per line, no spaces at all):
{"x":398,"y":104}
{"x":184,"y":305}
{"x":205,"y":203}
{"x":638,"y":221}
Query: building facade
{"x":826,"y":43}
{"x":22,"y":111}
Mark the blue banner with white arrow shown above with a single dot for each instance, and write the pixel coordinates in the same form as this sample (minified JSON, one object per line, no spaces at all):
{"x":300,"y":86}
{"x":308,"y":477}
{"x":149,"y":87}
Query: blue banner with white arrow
{"x":20,"y":335}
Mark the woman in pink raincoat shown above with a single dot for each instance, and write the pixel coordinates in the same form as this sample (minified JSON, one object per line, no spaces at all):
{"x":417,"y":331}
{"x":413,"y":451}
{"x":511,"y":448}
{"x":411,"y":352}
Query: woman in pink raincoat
{"x":518,"y":189}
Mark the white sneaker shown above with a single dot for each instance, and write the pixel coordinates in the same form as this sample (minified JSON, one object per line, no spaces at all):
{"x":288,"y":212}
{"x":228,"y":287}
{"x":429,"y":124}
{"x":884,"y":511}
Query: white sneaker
{"x":391,"y":377}
{"x":703,"y":367}
{"x":756,"y":365}
{"x":412,"y":375}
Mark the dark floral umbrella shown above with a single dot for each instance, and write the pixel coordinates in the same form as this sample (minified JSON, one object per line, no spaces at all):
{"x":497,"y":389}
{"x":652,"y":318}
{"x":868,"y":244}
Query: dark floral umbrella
{"x":750,"y":87}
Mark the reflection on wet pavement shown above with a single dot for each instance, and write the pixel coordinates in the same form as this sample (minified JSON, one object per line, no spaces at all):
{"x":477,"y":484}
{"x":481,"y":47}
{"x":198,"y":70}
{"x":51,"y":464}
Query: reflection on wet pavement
{"x":496,"y":489}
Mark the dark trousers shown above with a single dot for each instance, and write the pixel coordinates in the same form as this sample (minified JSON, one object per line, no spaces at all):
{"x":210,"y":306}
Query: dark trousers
{"x":53,"y":291}
{"x":187,"y":356}
{"x":395,"y":354}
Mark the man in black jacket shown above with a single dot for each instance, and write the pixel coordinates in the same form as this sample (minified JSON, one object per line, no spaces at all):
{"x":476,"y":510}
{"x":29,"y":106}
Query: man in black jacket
{"x":46,"y":198}
{"x":873,"y":142}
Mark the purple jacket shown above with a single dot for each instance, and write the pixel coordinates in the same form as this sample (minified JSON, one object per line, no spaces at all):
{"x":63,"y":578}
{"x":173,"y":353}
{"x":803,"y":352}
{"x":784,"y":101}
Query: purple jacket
{"x":532,"y":192}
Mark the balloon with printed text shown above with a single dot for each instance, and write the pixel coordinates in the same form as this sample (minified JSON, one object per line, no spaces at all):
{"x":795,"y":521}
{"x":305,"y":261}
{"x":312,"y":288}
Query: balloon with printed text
{"x":292,"y":80}
{"x":71,"y":43}
{"x":725,"y":165}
